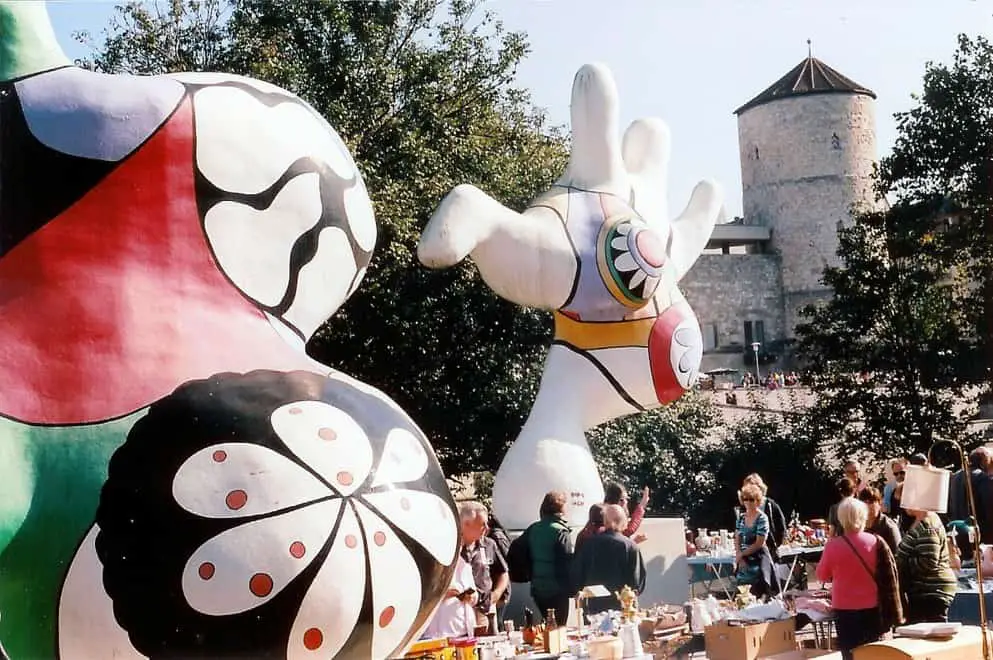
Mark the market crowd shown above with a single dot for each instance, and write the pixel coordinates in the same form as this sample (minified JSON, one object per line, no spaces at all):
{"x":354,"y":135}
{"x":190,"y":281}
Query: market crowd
{"x":605,"y":552}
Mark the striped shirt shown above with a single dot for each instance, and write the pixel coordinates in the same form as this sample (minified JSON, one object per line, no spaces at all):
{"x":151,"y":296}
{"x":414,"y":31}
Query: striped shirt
{"x":922,"y":558}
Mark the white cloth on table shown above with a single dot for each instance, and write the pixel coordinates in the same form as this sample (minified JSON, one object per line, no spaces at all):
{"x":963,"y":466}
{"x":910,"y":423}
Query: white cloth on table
{"x":453,"y":618}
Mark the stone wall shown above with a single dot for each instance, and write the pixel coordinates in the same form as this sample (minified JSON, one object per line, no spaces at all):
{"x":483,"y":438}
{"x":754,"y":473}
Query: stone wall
{"x":725,"y":290}
{"x":806,"y":161}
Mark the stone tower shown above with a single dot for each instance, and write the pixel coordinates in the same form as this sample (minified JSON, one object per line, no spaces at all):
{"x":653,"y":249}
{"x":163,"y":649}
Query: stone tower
{"x":808,"y":146}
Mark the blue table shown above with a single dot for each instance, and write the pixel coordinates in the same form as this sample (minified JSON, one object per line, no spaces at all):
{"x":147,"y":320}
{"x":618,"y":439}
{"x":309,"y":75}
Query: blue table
{"x":710,"y":568}
{"x":965,"y":607}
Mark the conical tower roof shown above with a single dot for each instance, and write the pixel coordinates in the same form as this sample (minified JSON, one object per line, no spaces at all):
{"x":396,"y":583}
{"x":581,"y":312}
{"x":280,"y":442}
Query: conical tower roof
{"x":811,"y":76}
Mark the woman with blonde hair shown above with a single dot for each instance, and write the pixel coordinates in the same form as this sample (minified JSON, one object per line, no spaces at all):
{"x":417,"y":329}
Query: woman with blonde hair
{"x":849,"y":563}
{"x":772,"y":511}
{"x":752,"y":558}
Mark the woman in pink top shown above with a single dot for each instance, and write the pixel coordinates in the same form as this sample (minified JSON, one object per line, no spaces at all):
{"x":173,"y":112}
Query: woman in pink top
{"x":849,"y":564}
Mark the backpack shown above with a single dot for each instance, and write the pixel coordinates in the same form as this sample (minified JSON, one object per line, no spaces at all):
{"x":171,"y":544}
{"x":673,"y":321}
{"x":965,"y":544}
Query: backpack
{"x":519,"y":558}
{"x":502,"y":544}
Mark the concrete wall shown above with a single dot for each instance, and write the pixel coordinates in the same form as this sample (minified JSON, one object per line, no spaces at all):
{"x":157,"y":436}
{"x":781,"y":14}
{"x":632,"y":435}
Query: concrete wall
{"x":728,"y":289}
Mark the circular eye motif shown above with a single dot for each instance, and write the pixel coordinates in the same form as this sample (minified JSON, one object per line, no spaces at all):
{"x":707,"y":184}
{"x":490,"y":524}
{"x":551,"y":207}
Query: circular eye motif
{"x":275,"y":515}
{"x":631,"y":257}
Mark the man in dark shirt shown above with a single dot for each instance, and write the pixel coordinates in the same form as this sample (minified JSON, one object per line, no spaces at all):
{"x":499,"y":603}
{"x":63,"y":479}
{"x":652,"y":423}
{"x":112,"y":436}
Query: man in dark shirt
{"x":489,"y":570}
{"x":611,"y":559}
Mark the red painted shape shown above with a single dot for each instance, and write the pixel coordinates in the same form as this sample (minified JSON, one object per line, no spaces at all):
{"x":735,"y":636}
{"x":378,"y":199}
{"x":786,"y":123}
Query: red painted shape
{"x":667,"y":387}
{"x":386,"y":616}
{"x":117,"y":301}
{"x":260,"y":585}
{"x":236,"y":499}
{"x":312,"y":639}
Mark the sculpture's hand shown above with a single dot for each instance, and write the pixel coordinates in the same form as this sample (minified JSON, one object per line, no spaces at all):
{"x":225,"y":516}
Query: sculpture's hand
{"x":525,"y":258}
{"x":595,"y":161}
{"x":692,"y":229}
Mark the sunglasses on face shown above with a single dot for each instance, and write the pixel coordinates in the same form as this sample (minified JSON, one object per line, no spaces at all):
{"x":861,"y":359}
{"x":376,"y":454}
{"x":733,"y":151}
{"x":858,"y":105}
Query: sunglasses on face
{"x":748,"y":499}
{"x":899,"y":473}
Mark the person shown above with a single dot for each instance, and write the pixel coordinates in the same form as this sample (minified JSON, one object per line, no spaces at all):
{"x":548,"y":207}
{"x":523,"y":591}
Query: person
{"x":898,"y":467}
{"x":550,"y":548}
{"x":614,"y":493}
{"x":609,"y":558}
{"x":845,"y":488}
{"x":984,"y":504}
{"x":849,"y":562}
{"x":489,"y":568}
{"x":498,"y":533}
{"x":854,"y":472}
{"x":594,"y":525}
{"x":958,"y":496}
{"x":925,"y":569}
{"x":772,"y":510}
{"x":455,"y":616}
{"x":878,"y":523}
{"x":752,"y":559}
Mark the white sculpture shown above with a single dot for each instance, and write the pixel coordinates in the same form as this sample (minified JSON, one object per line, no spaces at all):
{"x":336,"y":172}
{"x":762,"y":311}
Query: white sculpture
{"x":597,"y":248}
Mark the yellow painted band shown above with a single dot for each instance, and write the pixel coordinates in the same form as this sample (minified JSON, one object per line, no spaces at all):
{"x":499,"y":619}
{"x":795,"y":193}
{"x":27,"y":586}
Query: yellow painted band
{"x":591,"y":335}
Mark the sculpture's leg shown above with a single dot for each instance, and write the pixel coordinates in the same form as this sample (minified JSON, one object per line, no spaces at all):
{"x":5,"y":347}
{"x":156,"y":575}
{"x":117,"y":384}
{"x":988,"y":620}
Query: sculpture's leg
{"x":69,"y":467}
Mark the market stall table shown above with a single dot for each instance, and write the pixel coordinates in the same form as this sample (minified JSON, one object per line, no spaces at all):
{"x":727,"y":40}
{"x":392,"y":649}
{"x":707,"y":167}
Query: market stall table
{"x":965,"y":606}
{"x":792,"y":555}
{"x":707,"y":569}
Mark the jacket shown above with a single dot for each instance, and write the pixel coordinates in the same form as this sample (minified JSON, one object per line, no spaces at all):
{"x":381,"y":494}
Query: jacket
{"x":612,"y":559}
{"x":550,"y":546}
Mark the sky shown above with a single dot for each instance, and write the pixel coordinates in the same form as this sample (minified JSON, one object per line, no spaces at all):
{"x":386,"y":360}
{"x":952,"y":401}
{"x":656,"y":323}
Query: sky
{"x":692,"y":62}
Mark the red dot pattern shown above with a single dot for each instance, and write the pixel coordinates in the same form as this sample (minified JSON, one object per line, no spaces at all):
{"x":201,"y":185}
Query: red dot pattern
{"x":236,"y":499}
{"x":345,"y":478}
{"x":379,"y":538}
{"x":351,"y":541}
{"x":260,"y":585}
{"x":327,"y":434}
{"x":386,"y":616}
{"x":297,"y":549}
{"x":312,"y":639}
{"x":206,"y":570}
{"x":220,"y":456}
{"x":295,"y":411}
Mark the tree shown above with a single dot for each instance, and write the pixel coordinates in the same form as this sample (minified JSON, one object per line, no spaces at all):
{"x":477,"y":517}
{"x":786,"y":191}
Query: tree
{"x":663,"y":449}
{"x":694,"y":464}
{"x":887,"y":352}
{"x":899,"y":352}
{"x":423,"y":93}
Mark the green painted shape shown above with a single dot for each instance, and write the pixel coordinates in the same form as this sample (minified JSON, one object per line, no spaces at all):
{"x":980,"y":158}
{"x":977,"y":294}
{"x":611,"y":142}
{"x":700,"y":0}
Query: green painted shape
{"x":50,"y":491}
{"x":27,"y":40}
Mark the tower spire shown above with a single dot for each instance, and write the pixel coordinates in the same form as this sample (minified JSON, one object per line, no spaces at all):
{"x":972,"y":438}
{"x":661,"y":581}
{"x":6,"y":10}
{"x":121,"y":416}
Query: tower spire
{"x":810,"y":51}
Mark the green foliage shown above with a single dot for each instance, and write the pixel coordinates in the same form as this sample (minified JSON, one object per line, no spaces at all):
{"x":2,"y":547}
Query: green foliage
{"x":906,"y":343}
{"x":423,"y":93}
{"x":661,"y":449}
{"x":694,"y":464}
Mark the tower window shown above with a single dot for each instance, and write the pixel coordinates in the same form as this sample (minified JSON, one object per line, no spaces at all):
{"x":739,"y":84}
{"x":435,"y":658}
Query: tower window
{"x":710,"y":337}
{"x":754,"y":332}
{"x":835,"y":141}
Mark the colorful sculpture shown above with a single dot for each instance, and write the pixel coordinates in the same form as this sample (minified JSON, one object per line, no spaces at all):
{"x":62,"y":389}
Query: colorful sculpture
{"x":177,"y":478}
{"x":598,"y":249}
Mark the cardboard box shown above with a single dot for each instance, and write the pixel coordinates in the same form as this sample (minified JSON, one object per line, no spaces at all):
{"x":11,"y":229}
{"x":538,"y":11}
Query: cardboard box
{"x":749,"y":642}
